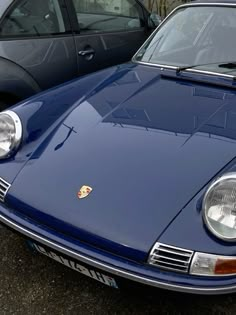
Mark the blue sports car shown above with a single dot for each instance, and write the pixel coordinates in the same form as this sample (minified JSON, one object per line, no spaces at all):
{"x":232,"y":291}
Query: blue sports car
{"x":131,"y":172}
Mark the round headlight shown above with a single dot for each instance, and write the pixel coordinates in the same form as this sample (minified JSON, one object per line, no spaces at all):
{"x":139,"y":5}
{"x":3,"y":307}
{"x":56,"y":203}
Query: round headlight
{"x":10,"y":133}
{"x":219,"y":207}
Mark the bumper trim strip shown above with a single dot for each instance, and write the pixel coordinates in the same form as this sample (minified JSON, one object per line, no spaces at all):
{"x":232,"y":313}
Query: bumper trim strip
{"x":113,"y":270}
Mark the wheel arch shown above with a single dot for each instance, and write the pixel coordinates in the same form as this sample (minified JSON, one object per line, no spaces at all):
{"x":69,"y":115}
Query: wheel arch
{"x":15,"y":82}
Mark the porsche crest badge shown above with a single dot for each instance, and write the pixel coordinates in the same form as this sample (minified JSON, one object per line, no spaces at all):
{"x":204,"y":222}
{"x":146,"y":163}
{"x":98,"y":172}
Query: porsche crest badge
{"x":84,"y":192}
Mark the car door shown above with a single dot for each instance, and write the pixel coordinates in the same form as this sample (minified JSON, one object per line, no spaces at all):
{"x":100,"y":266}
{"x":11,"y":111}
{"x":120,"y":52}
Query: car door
{"x":37,"y":36}
{"x":107,"y":32}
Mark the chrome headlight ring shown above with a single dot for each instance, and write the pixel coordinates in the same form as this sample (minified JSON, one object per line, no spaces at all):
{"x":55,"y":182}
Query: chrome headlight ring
{"x":219,"y":207}
{"x":10,"y":133}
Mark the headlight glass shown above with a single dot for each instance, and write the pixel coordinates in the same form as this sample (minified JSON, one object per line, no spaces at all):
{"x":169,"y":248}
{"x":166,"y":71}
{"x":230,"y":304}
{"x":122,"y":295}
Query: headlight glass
{"x":10,"y":133}
{"x":219,"y":207}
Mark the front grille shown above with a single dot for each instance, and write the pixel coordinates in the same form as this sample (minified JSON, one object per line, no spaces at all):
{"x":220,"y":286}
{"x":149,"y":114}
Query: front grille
{"x":170,"y":257}
{"x":4,"y":187}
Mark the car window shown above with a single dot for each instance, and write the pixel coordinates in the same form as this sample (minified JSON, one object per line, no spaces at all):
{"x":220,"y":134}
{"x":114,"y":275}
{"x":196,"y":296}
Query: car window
{"x":33,"y":17}
{"x":186,"y":30}
{"x":193,"y":36}
{"x":109,"y":15}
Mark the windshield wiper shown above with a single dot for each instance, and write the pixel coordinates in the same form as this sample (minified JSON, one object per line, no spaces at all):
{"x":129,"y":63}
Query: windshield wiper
{"x":221,"y":64}
{"x":180,"y":69}
{"x":228,"y":65}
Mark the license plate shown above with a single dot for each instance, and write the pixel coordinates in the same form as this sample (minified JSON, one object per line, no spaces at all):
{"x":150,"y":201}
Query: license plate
{"x":96,"y":275}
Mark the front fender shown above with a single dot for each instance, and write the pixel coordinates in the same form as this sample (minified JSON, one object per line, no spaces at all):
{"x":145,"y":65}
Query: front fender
{"x":42,"y":114}
{"x":189,"y":231}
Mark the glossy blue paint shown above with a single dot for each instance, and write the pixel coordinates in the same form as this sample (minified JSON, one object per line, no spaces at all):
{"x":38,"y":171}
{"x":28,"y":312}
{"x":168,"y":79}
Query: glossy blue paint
{"x":43,"y":113}
{"x":147,"y":144}
{"x":195,"y":235}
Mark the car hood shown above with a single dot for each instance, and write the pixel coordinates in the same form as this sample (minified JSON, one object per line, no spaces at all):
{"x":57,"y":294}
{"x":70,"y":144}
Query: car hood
{"x":145,"y":144}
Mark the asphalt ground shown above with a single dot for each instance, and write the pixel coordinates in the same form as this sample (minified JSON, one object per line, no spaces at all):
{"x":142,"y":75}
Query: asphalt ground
{"x":34,"y":284}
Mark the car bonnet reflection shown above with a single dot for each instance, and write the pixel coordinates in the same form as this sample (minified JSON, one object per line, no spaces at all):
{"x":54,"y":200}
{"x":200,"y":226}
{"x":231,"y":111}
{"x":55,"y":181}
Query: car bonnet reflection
{"x":139,"y":101}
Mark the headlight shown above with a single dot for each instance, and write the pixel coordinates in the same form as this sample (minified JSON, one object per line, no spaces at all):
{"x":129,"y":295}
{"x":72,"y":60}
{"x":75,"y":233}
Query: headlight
{"x":219,"y":207}
{"x":10,"y":133}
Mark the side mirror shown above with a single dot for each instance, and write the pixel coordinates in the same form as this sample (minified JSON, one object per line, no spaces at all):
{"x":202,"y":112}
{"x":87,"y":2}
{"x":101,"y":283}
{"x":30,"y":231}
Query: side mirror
{"x":154,"y":20}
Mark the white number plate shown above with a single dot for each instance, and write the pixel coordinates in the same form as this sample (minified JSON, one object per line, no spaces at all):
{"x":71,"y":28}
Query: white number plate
{"x":96,"y":275}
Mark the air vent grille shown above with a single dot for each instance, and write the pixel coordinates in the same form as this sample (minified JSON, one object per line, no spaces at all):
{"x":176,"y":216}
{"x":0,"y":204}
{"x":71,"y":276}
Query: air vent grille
{"x":4,"y":187}
{"x":170,"y":257}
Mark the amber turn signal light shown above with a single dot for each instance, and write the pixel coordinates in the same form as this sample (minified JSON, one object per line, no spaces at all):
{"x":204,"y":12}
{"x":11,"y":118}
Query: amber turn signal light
{"x":225,"y":266}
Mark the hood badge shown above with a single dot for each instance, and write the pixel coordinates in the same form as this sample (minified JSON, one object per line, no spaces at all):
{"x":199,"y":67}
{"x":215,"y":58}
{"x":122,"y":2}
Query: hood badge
{"x":84,"y":192}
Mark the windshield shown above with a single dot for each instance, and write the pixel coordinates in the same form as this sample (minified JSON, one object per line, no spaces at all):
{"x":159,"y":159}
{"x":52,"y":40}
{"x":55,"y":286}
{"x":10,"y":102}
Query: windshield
{"x":197,"y":35}
{"x":4,"y":4}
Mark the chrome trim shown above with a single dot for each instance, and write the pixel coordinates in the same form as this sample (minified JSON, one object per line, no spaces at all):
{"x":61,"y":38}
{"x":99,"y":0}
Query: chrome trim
{"x":170,"y":257}
{"x":18,"y":133}
{"x":220,"y":4}
{"x":119,"y":272}
{"x":211,"y":73}
{"x":4,"y":187}
{"x":205,"y":218}
{"x":207,"y":4}
{"x":157,"y":65}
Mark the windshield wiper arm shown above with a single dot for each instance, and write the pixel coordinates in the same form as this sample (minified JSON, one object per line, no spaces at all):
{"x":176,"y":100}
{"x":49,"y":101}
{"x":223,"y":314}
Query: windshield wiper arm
{"x":229,"y":65}
{"x":180,"y":69}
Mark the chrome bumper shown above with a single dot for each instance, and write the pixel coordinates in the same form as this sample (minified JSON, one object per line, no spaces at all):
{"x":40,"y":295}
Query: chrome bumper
{"x":113,"y":270}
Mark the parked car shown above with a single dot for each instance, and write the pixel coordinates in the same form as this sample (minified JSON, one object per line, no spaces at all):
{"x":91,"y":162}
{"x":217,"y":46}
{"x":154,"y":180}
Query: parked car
{"x":130,"y":172}
{"x":45,"y":43}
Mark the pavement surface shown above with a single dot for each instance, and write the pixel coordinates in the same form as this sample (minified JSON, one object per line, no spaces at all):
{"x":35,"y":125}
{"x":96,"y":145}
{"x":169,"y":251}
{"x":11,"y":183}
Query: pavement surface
{"x":34,"y":284}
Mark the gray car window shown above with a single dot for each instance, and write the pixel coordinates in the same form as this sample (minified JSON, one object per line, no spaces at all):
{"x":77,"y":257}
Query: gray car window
{"x":33,"y":17}
{"x":108,"y":15}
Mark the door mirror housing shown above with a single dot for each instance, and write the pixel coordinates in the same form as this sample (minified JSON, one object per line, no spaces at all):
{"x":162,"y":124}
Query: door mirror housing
{"x":154,"y":20}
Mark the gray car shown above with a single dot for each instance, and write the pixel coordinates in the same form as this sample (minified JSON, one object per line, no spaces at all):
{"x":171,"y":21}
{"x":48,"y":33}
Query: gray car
{"x":44,"y":43}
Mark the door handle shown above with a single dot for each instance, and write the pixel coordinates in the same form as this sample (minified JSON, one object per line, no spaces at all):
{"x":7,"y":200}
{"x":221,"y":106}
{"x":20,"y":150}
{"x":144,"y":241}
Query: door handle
{"x":86,"y":52}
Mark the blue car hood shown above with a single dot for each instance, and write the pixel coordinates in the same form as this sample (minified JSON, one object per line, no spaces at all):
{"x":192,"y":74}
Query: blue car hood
{"x":145,"y":144}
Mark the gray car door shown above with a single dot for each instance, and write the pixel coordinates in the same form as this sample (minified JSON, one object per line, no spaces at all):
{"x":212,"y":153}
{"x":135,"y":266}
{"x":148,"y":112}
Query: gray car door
{"x":36,"y":35}
{"x":108,"y":32}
